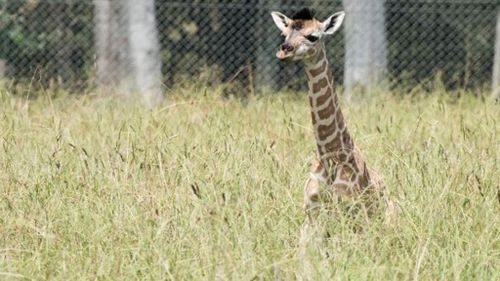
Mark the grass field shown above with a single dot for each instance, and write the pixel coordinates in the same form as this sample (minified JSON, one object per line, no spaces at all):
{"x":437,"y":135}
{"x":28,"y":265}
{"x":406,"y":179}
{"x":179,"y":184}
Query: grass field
{"x":206,"y":188}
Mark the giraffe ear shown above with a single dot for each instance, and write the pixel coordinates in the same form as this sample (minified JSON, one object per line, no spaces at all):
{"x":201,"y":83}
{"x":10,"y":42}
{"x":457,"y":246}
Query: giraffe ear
{"x":281,"y":21}
{"x":333,"y":23}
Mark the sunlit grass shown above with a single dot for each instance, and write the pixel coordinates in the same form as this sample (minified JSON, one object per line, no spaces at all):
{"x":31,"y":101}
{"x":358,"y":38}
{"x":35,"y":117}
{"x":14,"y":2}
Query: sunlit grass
{"x":208,"y":188}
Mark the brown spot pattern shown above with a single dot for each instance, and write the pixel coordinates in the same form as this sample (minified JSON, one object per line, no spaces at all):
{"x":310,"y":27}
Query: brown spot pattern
{"x":339,"y":118}
{"x":320,"y":85}
{"x":321,"y":57}
{"x":354,"y":177}
{"x":347,"y":141}
{"x":322,"y":99}
{"x":320,"y":149}
{"x":364,"y":180}
{"x":298,"y":25}
{"x":342,"y":144}
{"x":334,"y":145}
{"x":342,"y":156}
{"x":352,"y":161}
{"x":351,"y":172}
{"x":311,"y":101}
{"x":345,"y":173}
{"x":319,"y":70}
{"x":327,"y":111}
{"x":313,"y":117}
{"x":335,"y":98}
{"x":325,"y":130}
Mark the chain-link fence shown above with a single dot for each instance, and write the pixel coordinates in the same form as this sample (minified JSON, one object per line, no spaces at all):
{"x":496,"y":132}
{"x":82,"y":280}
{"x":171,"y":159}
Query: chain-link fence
{"x":54,"y":41}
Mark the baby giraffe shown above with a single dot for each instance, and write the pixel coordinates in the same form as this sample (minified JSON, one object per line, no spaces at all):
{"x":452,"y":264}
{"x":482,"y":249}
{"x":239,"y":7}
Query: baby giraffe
{"x":340,"y":172}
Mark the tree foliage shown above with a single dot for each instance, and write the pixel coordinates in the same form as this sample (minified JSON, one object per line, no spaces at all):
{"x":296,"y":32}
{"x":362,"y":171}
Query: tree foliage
{"x":49,"y":39}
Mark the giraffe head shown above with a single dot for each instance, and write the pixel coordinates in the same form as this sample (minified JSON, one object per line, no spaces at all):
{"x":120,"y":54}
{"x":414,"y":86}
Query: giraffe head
{"x":304,"y":34}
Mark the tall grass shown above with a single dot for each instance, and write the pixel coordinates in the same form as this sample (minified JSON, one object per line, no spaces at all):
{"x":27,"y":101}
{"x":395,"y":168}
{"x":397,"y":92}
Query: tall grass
{"x":206,"y":188}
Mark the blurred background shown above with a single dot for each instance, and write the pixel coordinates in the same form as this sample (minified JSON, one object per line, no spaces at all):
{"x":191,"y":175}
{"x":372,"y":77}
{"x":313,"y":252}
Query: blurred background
{"x":154,"y":45}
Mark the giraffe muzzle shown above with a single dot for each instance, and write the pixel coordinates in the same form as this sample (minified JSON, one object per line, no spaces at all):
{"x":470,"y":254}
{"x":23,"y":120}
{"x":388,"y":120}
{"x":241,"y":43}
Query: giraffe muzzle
{"x":287,"y":48}
{"x":285,"y":52}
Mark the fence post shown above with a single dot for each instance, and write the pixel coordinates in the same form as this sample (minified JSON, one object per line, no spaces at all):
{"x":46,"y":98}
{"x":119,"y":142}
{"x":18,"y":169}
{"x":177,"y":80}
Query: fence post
{"x":111,"y":43}
{"x":145,"y":51}
{"x":496,"y":62}
{"x":127,"y":48}
{"x":366,"y":46}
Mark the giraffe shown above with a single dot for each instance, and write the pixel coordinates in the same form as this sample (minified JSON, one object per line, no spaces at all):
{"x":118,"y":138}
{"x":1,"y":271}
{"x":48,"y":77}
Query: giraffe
{"x":339,"y":166}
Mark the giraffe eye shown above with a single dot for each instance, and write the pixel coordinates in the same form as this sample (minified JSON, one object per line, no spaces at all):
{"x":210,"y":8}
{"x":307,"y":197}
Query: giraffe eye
{"x":312,"y":38}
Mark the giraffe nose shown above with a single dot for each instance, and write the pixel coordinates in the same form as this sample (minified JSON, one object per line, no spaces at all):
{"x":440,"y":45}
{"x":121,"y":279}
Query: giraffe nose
{"x":287,"y":47}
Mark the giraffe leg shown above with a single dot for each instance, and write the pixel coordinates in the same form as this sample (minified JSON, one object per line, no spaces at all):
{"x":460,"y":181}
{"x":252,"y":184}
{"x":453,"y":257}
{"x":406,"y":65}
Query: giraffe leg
{"x":311,"y":195}
{"x":312,"y":189}
{"x":391,"y":210}
{"x":311,"y":232}
{"x":386,"y":205}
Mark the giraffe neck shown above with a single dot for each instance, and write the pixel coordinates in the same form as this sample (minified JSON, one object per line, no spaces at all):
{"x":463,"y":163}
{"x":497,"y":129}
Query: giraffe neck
{"x":332,"y":137}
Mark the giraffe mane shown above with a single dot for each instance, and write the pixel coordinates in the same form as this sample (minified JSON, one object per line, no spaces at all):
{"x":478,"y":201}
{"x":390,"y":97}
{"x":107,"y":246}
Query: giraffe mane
{"x":304,"y":14}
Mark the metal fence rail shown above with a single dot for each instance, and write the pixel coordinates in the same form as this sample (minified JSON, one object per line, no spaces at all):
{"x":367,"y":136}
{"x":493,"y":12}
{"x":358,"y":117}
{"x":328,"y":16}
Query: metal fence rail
{"x":53,"y":41}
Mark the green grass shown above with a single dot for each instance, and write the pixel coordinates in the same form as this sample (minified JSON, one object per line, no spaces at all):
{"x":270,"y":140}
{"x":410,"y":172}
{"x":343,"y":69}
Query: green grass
{"x":206,"y":188}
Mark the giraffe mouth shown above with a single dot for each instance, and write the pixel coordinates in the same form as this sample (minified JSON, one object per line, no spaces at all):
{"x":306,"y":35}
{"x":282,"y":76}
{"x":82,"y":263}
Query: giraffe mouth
{"x":284,"y":56}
